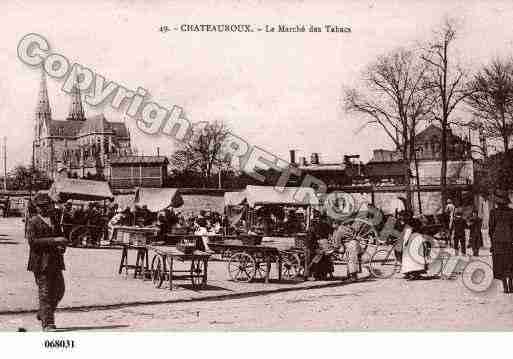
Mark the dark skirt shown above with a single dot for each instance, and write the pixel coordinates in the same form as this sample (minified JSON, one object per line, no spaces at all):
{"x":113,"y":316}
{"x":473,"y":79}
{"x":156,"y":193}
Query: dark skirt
{"x":502,"y":256}
{"x":321,"y":266}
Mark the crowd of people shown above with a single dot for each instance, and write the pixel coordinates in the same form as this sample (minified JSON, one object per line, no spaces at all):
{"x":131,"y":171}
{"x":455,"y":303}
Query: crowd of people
{"x":48,"y":232}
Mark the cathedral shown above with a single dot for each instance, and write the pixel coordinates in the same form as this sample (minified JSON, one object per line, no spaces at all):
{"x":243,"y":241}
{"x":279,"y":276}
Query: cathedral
{"x":80,"y":145}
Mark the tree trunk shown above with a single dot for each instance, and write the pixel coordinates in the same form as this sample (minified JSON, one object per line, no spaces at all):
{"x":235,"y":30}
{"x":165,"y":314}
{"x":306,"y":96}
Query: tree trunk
{"x":407,"y":176}
{"x":443,"y":171}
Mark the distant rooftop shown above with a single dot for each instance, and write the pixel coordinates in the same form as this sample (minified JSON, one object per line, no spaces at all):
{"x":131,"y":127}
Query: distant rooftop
{"x":139,"y":159}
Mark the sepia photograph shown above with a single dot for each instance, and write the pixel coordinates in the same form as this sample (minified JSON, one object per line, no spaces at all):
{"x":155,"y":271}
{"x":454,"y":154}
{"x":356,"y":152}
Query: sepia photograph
{"x":260,"y":166}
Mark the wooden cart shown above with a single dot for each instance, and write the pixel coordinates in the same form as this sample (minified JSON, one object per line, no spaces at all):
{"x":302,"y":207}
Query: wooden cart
{"x":249,"y":262}
{"x":163,"y":266}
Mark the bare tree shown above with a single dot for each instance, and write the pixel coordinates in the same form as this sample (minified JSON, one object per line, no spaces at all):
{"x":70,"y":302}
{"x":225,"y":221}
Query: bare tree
{"x":447,"y":82}
{"x":491,"y":100}
{"x":201,"y":152}
{"x":394,"y":98}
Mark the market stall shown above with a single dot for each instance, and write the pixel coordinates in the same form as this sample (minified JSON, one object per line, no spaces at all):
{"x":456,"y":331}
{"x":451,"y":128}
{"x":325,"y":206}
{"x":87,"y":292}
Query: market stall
{"x":65,"y":189}
{"x":158,"y":199}
{"x":139,"y":237}
{"x":272,"y":215}
{"x":80,"y":193}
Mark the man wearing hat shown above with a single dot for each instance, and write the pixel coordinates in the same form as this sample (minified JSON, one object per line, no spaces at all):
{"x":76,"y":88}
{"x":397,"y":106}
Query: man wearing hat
{"x":46,"y":259}
{"x":67,"y":219}
{"x":459,"y":225}
{"x":500,"y":228}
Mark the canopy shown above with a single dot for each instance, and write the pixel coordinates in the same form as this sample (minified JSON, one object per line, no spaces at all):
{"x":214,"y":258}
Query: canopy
{"x":234,"y":198}
{"x":294,"y":196}
{"x":158,"y":199}
{"x":79,"y":189}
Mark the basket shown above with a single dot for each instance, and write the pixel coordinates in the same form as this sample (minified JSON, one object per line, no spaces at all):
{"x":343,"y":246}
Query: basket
{"x":300,"y":241}
{"x":188,"y":245}
{"x":135,"y":239}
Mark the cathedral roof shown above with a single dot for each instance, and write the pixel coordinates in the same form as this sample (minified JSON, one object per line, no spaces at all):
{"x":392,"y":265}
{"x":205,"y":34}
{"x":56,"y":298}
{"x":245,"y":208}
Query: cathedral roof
{"x":64,"y":128}
{"x":94,"y":124}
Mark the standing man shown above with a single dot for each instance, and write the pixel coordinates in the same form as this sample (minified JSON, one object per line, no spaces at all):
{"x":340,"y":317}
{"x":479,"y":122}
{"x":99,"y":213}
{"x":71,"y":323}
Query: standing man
{"x":476,"y":237}
{"x":46,"y":259}
{"x":67,"y":219}
{"x":459,"y":225}
{"x":450,"y":210}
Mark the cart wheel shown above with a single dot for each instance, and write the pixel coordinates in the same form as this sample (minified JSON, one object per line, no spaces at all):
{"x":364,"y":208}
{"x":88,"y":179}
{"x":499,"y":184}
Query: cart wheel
{"x":291,"y":266}
{"x":363,"y":230}
{"x":241,"y":267}
{"x":157,"y":276}
{"x":383,"y":263}
{"x":198,"y":278}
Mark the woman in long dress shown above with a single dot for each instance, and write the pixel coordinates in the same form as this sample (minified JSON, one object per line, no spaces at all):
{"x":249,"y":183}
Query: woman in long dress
{"x":501,"y":234}
{"x":414,"y":262}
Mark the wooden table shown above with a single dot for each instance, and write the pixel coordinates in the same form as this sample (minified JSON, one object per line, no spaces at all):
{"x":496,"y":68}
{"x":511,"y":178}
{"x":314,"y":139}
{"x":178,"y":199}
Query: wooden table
{"x":134,"y":238}
{"x":141,"y":263}
{"x":162,"y":266}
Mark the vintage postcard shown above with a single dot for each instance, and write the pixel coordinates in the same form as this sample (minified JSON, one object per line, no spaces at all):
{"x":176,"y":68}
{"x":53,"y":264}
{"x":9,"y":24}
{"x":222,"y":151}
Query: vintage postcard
{"x":255,"y":166}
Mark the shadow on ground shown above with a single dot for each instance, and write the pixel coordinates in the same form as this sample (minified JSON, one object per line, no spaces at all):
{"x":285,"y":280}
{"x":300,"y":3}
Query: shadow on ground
{"x":207,"y":287}
{"x":97,"y":327}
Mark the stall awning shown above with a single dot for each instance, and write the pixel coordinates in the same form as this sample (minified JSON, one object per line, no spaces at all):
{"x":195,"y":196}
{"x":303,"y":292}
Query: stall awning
{"x":78,"y":189}
{"x":294,"y":196}
{"x":234,"y":198}
{"x":158,"y":199}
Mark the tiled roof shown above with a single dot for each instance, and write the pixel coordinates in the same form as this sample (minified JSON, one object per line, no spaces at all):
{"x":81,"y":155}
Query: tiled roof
{"x":431,"y":131}
{"x":139,"y":159}
{"x":94,"y":124}
{"x":120,"y":129}
{"x":64,"y":128}
{"x":324,"y":167}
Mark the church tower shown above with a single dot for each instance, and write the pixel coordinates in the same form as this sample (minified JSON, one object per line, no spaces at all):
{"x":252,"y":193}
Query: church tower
{"x":43,"y":112}
{"x":76,"y":110}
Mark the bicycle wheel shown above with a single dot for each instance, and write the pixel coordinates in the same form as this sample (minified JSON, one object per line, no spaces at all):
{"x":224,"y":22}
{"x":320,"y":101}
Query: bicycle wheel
{"x":383,"y":263}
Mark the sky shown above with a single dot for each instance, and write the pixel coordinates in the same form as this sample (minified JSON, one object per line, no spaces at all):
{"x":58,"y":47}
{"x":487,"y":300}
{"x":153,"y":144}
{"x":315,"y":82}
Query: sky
{"x":278,"y":91}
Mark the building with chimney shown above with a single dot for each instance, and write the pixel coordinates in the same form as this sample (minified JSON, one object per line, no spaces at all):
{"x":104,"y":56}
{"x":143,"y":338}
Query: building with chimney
{"x":386,"y":166}
{"x":81,"y":145}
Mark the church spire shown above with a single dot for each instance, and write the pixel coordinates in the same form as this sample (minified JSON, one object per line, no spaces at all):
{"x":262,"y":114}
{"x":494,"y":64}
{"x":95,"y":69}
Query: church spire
{"x":43,"y":112}
{"x":76,"y":111}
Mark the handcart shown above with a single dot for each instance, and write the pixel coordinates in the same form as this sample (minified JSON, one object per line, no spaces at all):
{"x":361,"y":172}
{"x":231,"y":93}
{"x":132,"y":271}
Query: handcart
{"x":253,"y":261}
{"x":163,"y":266}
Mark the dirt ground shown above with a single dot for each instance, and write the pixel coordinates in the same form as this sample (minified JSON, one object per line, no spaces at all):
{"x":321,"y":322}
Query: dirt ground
{"x":378,"y":304}
{"x":392,"y":304}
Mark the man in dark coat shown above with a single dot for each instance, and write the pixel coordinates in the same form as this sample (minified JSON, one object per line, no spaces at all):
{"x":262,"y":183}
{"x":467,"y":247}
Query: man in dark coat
{"x":46,"y":259}
{"x":500,"y":228}
{"x":476,"y":237}
{"x":66,"y":220}
{"x":459,"y":225}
